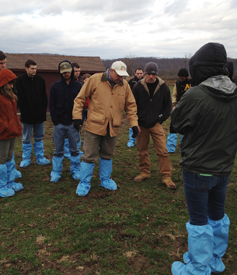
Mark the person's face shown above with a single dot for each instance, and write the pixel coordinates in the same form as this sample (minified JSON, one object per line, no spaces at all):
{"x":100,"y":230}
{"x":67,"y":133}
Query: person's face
{"x":115,"y":77}
{"x":77,"y":72}
{"x":182,"y":78}
{"x":150,"y":78}
{"x":9,"y":87}
{"x":139,"y":74}
{"x":67,"y":76}
{"x":31,"y":71}
{"x":3,"y":63}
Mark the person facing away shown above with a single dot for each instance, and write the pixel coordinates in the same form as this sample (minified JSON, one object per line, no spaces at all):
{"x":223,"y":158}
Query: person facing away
{"x":180,"y":88}
{"x":32,"y":102}
{"x":206,"y":116}
{"x":109,"y":95}
{"x":153,"y":101}
{"x":3,"y":64}
{"x":138,"y":75}
{"x":61,"y":100}
{"x":10,"y":128}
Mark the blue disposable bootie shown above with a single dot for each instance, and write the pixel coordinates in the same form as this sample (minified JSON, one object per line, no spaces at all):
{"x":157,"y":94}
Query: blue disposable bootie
{"x":220,"y":232}
{"x":200,"y":252}
{"x":39,"y":153}
{"x":75,"y":167}
{"x":171,"y":142}
{"x":105,"y":173}
{"x":26,"y":155}
{"x":57,"y":163}
{"x":17,"y":173}
{"x":11,"y":177}
{"x":86,"y":173}
{"x":131,"y":141}
{"x":4,"y":190}
{"x":66,"y":149}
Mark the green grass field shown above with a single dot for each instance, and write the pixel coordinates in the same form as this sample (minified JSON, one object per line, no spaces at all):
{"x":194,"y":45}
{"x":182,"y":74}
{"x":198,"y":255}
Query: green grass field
{"x":138,"y":229}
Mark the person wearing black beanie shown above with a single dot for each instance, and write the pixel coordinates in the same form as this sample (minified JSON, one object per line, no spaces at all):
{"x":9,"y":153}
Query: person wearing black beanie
{"x":206,"y":115}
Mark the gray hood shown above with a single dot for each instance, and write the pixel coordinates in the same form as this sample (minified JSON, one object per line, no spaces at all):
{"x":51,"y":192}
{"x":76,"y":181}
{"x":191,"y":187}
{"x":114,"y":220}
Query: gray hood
{"x":221,"y":83}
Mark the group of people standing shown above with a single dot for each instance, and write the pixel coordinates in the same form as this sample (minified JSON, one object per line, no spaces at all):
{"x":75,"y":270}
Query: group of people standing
{"x":204,"y":112}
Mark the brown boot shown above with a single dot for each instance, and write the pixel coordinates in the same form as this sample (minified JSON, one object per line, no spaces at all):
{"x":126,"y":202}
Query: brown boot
{"x":169,"y":183}
{"x":142,"y":177}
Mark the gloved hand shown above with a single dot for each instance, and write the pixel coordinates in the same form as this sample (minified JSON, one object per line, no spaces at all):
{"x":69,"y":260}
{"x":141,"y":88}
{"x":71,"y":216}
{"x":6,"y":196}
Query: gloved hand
{"x":135,"y":131}
{"x":161,"y":120}
{"x":77,"y":123}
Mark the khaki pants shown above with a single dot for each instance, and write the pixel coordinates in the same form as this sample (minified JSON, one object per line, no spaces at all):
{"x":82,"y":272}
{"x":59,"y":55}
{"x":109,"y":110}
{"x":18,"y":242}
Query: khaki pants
{"x":95,"y":146}
{"x":158,"y":135}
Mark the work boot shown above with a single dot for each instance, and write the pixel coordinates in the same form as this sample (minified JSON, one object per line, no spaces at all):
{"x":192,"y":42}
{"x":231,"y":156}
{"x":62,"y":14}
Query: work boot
{"x":169,"y":183}
{"x":142,"y":177}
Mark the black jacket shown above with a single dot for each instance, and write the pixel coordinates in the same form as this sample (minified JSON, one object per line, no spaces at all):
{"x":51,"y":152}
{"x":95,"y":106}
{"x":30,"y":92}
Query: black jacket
{"x":61,"y":99}
{"x":207,"y":115}
{"x":32,"y":98}
{"x":155,"y":109}
{"x":133,"y":81}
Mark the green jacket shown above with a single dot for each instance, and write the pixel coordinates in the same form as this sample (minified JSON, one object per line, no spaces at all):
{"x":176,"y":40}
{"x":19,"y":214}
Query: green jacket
{"x":207,"y":117}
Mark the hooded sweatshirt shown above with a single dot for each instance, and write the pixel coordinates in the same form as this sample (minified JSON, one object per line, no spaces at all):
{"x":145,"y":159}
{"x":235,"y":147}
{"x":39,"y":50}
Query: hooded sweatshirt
{"x":61,"y":98}
{"x":207,"y":116}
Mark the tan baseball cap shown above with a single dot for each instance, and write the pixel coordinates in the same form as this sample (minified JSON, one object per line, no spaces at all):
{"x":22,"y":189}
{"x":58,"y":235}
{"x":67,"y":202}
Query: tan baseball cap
{"x":120,"y":68}
{"x":65,"y":67}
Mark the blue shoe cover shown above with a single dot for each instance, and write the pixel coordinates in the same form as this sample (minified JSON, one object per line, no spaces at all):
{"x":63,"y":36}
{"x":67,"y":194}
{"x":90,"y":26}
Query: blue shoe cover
{"x":75,"y":167}
{"x":39,"y":153}
{"x":109,"y":184}
{"x":86,"y":173}
{"x":15,"y":185}
{"x":17,"y":174}
{"x":11,"y":176}
{"x":4,"y":190}
{"x":26,"y":148}
{"x":80,"y":153}
{"x":105,"y":173}
{"x":220,"y":232}
{"x":171,"y":142}
{"x":66,"y":149}
{"x":83,"y":189}
{"x":132,"y":140}
{"x":200,"y":251}
{"x":57,"y":163}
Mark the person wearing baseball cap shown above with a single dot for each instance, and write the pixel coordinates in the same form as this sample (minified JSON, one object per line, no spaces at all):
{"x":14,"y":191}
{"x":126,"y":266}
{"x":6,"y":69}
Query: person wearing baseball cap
{"x":109,"y":95}
{"x":61,"y":100}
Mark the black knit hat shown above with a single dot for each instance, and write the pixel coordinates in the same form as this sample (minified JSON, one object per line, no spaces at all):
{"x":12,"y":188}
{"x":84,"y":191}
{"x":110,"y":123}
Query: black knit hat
{"x":151,"y":68}
{"x":183,"y":72}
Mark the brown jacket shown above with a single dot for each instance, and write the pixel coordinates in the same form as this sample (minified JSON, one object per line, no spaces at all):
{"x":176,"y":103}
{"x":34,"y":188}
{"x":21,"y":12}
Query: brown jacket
{"x":10,"y":125}
{"x":106,"y":105}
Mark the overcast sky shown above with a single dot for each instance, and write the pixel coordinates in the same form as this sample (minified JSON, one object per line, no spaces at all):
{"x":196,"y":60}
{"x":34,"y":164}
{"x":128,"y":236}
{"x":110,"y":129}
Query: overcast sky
{"x":116,"y":29}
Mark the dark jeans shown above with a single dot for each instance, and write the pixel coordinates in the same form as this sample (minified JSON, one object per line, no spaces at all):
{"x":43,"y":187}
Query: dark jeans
{"x":205,"y":196}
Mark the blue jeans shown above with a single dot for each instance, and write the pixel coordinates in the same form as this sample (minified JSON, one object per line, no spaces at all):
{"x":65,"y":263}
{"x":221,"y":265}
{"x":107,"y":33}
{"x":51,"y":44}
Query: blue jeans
{"x":38,"y":132}
{"x":59,"y":133}
{"x":205,"y":196}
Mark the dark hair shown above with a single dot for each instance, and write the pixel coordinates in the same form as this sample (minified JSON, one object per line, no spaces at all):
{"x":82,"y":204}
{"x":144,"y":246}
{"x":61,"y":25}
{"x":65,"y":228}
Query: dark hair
{"x":86,"y":76}
{"x":76,"y":65}
{"x":139,"y":68}
{"x":2,"y":55}
{"x":30,"y":62}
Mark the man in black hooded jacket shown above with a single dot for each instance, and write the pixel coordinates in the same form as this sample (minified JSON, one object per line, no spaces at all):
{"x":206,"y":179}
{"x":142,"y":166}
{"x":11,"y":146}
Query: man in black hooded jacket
{"x":207,"y":117}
